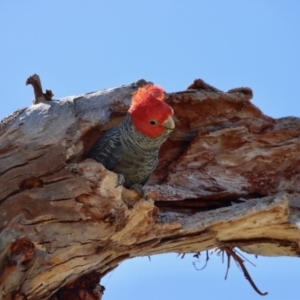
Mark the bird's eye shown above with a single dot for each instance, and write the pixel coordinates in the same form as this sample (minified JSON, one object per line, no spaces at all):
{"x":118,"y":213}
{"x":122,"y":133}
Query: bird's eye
{"x":152,"y":122}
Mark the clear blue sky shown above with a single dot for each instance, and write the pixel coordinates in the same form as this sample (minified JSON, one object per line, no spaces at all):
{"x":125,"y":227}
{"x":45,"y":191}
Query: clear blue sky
{"x":83,"y":46}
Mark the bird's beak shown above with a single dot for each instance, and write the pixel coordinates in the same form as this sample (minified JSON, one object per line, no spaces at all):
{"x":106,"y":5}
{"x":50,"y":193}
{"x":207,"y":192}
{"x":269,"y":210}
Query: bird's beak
{"x":169,"y":124}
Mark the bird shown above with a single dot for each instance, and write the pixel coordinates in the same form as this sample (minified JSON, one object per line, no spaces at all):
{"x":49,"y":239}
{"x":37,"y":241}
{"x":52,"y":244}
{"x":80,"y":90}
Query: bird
{"x":131,"y":148}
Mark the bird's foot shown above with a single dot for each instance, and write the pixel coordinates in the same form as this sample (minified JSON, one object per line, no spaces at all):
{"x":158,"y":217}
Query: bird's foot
{"x":140,"y":190}
{"x":121,"y":180}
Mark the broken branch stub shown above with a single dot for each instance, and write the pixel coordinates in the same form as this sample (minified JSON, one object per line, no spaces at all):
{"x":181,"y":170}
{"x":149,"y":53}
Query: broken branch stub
{"x":228,"y":176}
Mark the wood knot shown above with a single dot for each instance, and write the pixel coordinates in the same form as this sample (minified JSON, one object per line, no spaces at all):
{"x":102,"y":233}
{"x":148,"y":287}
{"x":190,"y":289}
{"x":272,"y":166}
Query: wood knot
{"x":19,"y":296}
{"x":243,"y":90}
{"x":200,"y":84}
{"x":21,"y":250}
{"x":48,"y":95}
{"x":86,"y":287}
{"x":31,"y":182}
{"x":141,"y":83}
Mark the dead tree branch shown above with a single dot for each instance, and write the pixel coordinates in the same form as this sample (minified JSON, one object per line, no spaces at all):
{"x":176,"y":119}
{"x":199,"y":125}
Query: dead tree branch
{"x":228,"y":174}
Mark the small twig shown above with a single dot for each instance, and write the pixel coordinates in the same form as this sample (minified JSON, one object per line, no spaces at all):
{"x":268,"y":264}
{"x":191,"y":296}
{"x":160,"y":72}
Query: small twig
{"x":245,"y":258}
{"x":230,"y":252}
{"x":39,"y":96}
{"x":228,"y":264}
{"x":206,"y":261}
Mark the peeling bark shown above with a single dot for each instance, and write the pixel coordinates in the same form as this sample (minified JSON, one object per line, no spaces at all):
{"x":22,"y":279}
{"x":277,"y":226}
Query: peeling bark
{"x":228,"y":177}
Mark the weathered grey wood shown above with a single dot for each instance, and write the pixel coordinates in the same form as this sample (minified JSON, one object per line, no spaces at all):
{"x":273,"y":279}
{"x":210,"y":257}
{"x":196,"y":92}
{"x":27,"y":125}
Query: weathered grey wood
{"x":228,"y":175}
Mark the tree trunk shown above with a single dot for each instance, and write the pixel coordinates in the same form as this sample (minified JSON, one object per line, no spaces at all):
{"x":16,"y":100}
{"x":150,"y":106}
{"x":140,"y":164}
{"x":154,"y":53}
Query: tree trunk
{"x":229,"y":176}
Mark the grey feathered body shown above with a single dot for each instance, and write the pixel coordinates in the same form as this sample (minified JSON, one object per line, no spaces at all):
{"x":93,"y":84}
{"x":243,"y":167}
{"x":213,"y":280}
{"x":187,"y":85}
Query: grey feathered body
{"x":126,"y":151}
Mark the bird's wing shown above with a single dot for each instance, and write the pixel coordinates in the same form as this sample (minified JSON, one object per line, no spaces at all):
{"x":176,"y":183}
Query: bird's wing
{"x":146,"y":179}
{"x":149,"y":169}
{"x":107,"y":150}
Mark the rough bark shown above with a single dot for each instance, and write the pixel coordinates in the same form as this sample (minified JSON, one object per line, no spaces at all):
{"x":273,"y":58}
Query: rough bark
{"x":228,"y":177}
